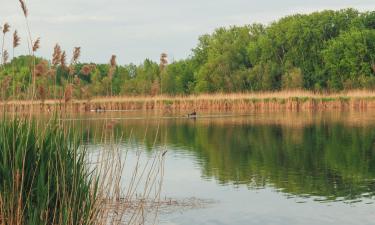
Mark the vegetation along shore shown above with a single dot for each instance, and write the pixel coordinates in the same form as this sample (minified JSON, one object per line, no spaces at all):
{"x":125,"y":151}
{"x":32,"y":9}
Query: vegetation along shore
{"x":285,"y":100}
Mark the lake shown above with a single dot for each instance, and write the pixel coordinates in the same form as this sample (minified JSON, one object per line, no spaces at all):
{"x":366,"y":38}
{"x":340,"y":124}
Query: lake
{"x":256,"y":168}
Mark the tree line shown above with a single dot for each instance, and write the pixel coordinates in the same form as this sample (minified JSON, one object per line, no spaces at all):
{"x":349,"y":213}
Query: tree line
{"x":322,"y":51}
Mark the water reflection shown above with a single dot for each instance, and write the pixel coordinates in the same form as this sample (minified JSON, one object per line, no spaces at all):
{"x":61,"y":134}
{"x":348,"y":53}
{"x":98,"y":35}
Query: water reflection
{"x":325,"y":156}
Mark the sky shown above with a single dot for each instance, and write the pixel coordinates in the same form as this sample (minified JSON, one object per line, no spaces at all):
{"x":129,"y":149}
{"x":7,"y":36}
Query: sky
{"x":138,"y":29}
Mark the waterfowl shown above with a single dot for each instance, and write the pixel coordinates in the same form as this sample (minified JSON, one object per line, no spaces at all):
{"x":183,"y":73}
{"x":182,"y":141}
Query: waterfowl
{"x":192,"y":115}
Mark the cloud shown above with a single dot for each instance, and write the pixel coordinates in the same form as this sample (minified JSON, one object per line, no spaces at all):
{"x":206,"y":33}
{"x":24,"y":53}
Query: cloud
{"x":135,"y":30}
{"x":76,"y":19}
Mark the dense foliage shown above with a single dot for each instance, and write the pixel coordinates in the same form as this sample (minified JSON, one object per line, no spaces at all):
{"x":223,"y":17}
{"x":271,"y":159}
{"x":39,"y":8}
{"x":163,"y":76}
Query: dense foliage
{"x":328,"y":50}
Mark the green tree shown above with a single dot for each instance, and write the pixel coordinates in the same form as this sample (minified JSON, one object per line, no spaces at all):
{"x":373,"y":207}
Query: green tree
{"x":349,"y":57}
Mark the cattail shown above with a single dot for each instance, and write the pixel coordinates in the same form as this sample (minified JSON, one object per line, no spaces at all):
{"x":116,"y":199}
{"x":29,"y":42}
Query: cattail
{"x":24,"y":8}
{"x":63,"y":60}
{"x":113,"y":61}
{"x":56,"y":57}
{"x":5,"y":56}
{"x":373,"y":67}
{"x":76,"y":54}
{"x":6,"y":28}
{"x":16,"y":39}
{"x":36,"y":45}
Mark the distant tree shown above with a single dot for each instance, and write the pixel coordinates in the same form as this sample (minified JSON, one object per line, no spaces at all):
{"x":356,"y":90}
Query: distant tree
{"x":349,"y":57}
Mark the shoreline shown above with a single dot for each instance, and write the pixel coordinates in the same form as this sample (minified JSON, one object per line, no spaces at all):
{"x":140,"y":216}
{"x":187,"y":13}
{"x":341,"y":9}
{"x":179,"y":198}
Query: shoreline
{"x":294,"y":100}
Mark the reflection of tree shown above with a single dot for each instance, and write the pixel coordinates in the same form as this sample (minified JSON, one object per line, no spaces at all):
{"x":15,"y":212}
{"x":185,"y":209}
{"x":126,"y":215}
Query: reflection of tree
{"x":330,"y":160}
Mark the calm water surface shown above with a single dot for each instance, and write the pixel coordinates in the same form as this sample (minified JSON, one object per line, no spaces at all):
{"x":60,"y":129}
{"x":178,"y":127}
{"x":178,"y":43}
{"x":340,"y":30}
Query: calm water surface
{"x":260,"y":168}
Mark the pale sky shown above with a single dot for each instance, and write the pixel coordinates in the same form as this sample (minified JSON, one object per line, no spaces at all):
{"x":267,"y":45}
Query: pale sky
{"x":139,"y":29}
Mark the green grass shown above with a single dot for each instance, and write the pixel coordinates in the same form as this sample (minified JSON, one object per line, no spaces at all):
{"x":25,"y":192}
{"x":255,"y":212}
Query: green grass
{"x":43,"y":175}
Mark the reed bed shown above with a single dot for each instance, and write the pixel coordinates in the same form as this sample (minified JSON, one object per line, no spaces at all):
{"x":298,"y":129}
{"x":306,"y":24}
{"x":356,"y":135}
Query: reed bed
{"x":289,"y":100}
{"x":47,"y":176}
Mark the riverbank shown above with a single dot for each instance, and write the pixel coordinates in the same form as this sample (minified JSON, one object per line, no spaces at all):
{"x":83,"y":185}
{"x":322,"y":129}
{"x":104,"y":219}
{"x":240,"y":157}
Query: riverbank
{"x":285,"y":100}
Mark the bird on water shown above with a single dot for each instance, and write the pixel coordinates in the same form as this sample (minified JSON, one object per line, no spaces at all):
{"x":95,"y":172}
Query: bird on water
{"x":192,"y":115}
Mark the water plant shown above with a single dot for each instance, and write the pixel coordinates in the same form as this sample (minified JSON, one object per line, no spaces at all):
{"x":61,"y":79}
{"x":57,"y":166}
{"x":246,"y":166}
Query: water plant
{"x":43,"y":177}
{"x":49,"y":176}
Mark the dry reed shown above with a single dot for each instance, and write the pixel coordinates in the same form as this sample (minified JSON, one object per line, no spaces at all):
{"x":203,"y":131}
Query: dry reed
{"x":290,"y":100}
{"x":63,"y":60}
{"x":56,"y":56}
{"x":16,"y":39}
{"x":76,"y":55}
{"x":36,"y":45}
{"x":6,"y":28}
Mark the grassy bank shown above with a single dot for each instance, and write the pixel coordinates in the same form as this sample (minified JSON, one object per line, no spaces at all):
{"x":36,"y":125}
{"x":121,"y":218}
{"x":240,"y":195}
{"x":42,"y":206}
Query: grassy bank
{"x":285,"y":100}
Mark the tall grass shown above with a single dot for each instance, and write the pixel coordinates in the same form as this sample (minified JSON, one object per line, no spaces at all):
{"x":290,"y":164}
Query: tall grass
{"x":47,"y":176}
{"x":43,"y":177}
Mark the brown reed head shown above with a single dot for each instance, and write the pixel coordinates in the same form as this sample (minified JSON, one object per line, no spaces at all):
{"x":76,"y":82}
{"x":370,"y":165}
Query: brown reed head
{"x":56,"y":56}
{"x":86,"y":70}
{"x":6,"y":28}
{"x":36,"y":45}
{"x":41,"y":68}
{"x":24,"y":8}
{"x":63,"y":59}
{"x":373,"y":67}
{"x":5,"y":56}
{"x":16,"y":39}
{"x":163,"y":61}
{"x":112,"y":62}
{"x":76,"y":54}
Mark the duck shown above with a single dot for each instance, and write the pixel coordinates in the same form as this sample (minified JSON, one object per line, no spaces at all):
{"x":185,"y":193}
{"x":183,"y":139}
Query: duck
{"x":192,"y":115}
